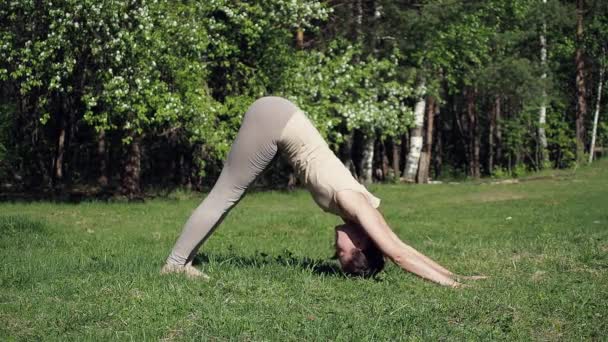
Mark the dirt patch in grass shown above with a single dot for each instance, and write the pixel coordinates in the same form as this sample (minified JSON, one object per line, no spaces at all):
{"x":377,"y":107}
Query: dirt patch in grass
{"x":13,"y":323}
{"x":554,"y":332}
{"x":493,"y":196}
{"x":538,"y":276}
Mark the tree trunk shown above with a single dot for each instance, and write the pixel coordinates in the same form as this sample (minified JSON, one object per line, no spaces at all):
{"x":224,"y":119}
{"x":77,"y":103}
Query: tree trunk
{"x":438,"y":145}
{"x":542,"y":115}
{"x":346,"y":150}
{"x":102,"y":156}
{"x":474,"y":138}
{"x":45,"y":180}
{"x":132,"y":168}
{"x":184,"y":172}
{"x":423,"y":168}
{"x":426,"y":155}
{"x":596,"y":114}
{"x":384,"y":160}
{"x":493,"y":131}
{"x":359,"y":21}
{"x":460,"y":120}
{"x":299,"y":38}
{"x":367,"y":158}
{"x":498,"y":143}
{"x":413,"y":157}
{"x":396,"y":149}
{"x":581,"y":88}
{"x":59,"y":166}
{"x":405,"y":148}
{"x":59,"y":156}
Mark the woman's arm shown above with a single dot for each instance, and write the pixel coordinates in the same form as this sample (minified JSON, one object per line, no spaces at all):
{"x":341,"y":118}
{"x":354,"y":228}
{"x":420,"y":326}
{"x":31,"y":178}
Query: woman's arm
{"x":357,"y":209}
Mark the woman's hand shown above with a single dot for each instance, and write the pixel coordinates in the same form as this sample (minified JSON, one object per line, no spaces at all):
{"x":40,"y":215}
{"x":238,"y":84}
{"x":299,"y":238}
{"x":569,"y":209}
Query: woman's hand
{"x":357,"y":209}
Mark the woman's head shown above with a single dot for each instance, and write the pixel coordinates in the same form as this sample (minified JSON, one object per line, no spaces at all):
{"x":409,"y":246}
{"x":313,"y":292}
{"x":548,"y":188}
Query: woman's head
{"x":357,"y":253}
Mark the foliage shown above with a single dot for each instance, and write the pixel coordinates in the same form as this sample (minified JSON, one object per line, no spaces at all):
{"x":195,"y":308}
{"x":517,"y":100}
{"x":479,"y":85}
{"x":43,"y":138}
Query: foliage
{"x":561,"y":138}
{"x":602,"y":134}
{"x":500,"y":173}
{"x":350,"y":90}
{"x":179,"y":76}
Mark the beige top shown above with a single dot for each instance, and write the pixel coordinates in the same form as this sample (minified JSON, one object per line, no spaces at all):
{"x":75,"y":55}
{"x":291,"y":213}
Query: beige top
{"x":317,"y":166}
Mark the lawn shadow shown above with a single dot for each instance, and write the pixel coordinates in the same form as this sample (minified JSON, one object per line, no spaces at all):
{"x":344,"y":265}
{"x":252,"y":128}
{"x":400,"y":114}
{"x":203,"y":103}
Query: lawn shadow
{"x":20,"y":225}
{"x":287,"y":259}
{"x":62,"y":195}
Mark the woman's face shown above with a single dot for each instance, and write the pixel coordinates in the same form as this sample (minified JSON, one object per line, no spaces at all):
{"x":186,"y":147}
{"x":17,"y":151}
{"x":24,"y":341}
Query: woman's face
{"x":349,"y":238}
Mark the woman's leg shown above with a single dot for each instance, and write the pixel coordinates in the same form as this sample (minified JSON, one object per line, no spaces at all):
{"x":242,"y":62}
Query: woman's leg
{"x":253,"y":149}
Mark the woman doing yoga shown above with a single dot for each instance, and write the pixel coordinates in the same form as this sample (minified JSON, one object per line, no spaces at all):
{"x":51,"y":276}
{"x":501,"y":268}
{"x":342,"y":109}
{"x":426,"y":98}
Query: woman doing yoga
{"x":272,"y":125}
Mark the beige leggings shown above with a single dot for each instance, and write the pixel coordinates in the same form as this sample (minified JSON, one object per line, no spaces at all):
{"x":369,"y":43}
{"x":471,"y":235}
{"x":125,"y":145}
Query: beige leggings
{"x":255,"y":146}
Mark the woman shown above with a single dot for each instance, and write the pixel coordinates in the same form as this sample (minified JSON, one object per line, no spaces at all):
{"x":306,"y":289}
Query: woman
{"x":274,"y":124}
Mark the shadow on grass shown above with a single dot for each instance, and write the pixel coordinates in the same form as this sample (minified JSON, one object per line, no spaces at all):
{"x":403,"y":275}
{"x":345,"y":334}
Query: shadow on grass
{"x":87,"y":193}
{"x":65,"y":196}
{"x":287,"y":259}
{"x":19,"y":225}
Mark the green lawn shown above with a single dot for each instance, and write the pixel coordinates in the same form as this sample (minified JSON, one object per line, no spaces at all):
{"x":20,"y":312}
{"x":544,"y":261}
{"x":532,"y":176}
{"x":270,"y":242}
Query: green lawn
{"x":89,"y":271}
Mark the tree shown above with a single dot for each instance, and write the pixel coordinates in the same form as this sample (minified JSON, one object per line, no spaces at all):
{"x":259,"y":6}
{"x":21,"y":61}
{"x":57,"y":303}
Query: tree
{"x":413,"y":156}
{"x":581,"y":87}
{"x":427,"y":148}
{"x":542,"y":115}
{"x":597,"y":113}
{"x":597,"y":45}
{"x":126,"y":94}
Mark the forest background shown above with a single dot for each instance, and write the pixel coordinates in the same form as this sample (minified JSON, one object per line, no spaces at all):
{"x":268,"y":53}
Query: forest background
{"x":123,"y":96}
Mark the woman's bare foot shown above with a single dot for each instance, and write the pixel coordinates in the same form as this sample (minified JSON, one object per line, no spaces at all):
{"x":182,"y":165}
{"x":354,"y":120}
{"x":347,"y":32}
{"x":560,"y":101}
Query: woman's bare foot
{"x":458,"y":285}
{"x":187,"y":269}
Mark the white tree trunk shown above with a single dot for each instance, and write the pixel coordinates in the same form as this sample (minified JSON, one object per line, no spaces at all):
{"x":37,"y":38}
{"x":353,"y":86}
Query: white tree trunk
{"x":60,"y":154}
{"x":359,"y":20}
{"x":542,"y":117}
{"x":596,"y":115}
{"x":413,"y":156}
{"x":367,"y":159}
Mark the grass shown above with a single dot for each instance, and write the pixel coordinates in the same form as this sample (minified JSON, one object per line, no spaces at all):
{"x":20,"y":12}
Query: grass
{"x":89,"y":271}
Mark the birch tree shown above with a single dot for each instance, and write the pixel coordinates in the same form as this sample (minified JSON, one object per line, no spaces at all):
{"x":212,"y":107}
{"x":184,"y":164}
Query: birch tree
{"x":427,"y":149}
{"x":597,"y":45}
{"x":596,"y":114}
{"x":542,"y":113}
{"x":413,"y":156}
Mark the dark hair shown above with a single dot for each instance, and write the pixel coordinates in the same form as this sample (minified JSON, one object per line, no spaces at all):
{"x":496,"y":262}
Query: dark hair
{"x":365,"y":263}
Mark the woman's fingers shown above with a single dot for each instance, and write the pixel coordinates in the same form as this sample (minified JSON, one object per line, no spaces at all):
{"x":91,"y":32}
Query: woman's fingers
{"x":473,"y":277}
